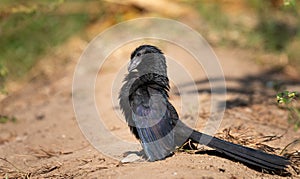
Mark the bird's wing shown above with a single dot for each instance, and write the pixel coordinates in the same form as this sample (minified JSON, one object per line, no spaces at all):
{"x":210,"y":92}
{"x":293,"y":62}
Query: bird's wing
{"x":155,"y":129}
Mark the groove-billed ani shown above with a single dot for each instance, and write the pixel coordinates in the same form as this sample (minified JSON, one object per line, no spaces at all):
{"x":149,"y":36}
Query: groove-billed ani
{"x":154,"y":121}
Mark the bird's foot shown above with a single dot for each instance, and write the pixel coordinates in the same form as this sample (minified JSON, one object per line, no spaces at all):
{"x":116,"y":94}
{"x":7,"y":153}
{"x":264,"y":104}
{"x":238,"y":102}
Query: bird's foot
{"x":133,"y":157}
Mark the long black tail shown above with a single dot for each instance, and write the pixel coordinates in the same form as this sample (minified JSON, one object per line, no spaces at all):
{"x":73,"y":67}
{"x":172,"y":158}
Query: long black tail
{"x":244,"y":154}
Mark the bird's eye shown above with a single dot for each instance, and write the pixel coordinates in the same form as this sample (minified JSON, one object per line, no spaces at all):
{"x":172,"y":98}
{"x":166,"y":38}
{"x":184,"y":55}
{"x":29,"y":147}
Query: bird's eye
{"x":138,"y":54}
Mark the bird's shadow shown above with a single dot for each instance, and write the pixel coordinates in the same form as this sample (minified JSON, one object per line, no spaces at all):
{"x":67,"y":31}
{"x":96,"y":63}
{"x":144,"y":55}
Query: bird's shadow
{"x":255,"y":88}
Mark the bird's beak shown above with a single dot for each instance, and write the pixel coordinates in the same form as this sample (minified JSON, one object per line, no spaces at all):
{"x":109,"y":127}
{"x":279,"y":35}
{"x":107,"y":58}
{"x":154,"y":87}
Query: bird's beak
{"x":133,"y":64}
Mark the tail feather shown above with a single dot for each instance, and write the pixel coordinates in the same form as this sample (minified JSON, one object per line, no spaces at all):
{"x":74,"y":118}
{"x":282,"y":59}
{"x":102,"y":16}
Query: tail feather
{"x":244,"y":154}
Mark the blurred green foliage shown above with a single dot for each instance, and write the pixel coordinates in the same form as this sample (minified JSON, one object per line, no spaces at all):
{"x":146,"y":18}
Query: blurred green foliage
{"x":213,"y":14}
{"x":276,"y":27}
{"x":5,"y":119}
{"x":3,"y":75}
{"x":288,"y":100}
{"x":31,"y":28}
{"x":286,"y":97}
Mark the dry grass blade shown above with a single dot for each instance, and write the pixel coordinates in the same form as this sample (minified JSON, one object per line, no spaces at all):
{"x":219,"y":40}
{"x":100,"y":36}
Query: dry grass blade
{"x":244,"y":136}
{"x":47,"y":169}
{"x":266,"y":148}
{"x":270,"y":138}
{"x":17,"y":173}
{"x":292,"y":152}
{"x":4,"y":159}
{"x":44,"y":153}
{"x":237,"y":135}
{"x":290,"y":146}
{"x":189,"y":147}
{"x":294,"y":157}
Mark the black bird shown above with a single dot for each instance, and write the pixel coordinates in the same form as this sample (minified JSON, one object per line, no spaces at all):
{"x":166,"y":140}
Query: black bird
{"x":154,"y":121}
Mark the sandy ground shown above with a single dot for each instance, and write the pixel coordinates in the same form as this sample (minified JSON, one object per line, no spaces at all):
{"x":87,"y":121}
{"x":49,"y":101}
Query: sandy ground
{"x":45,"y":141}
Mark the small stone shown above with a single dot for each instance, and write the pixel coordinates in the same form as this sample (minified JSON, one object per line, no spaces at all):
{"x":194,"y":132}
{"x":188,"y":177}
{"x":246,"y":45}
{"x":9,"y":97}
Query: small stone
{"x":40,"y":116}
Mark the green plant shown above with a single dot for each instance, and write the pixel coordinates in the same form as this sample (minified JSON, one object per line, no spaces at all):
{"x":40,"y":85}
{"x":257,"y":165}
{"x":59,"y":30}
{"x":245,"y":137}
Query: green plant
{"x":289,"y":3}
{"x":5,"y":119}
{"x":288,"y":100}
{"x":3,"y":75}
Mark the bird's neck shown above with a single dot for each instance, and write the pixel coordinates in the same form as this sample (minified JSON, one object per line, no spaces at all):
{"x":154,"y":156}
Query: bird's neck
{"x":159,"y":69}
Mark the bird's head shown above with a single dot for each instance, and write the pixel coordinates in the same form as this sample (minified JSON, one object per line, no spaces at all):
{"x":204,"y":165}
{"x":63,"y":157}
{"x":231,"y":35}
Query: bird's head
{"x":147,"y":59}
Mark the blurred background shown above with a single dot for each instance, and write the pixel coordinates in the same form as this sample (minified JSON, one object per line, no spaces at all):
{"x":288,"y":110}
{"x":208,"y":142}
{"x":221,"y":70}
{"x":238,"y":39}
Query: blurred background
{"x":32,"y":29}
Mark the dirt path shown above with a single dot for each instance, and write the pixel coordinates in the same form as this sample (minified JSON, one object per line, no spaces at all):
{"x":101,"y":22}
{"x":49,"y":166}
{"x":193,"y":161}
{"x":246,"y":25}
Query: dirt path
{"x":46,"y":141}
